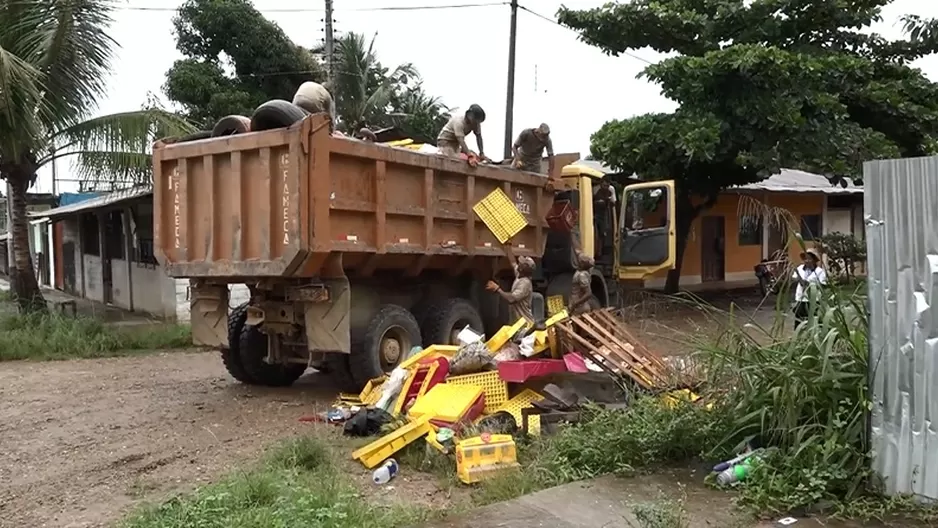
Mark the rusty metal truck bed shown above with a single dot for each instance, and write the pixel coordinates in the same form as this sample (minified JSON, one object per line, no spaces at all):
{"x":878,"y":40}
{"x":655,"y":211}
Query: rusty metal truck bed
{"x":278,"y":203}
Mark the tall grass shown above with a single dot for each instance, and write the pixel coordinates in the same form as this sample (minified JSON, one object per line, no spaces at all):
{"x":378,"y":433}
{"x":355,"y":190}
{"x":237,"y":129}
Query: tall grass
{"x":298,"y":484}
{"x":803,"y":394}
{"x":54,"y":336}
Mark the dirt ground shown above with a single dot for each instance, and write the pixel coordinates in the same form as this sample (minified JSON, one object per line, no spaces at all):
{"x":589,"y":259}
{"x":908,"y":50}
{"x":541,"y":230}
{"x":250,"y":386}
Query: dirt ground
{"x":85,"y":440}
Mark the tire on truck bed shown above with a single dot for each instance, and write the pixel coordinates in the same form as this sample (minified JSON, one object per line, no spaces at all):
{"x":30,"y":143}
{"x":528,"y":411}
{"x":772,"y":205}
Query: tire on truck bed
{"x":252,"y":351}
{"x":383,"y":344}
{"x":230,"y":356}
{"x":445,"y":318}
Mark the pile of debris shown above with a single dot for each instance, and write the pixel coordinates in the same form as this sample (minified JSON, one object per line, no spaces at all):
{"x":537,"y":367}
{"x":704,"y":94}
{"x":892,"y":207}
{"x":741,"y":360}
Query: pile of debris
{"x":468,"y":400}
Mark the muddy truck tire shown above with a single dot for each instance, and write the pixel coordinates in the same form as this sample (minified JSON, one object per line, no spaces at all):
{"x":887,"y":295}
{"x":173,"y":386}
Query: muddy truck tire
{"x":445,"y":319}
{"x":230,"y":356}
{"x":383,"y":344}
{"x":252,"y":351}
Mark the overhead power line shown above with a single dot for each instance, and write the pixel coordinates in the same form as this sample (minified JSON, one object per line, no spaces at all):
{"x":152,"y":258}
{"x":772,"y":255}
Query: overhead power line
{"x":321,"y":10}
{"x":556,"y":23}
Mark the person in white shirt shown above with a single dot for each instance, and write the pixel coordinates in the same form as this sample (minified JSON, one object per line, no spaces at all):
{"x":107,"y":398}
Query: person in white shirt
{"x":808,"y":276}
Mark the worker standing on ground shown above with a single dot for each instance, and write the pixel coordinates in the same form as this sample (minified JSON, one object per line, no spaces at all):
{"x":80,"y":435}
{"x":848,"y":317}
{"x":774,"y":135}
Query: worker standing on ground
{"x":316,"y":98}
{"x":452,"y":139}
{"x":529,"y":149}
{"x":809,"y":276}
{"x":581,"y":296}
{"x":522,"y":289}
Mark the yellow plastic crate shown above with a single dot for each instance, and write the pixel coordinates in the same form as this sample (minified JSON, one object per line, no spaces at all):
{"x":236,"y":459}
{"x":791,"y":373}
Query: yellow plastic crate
{"x":477,"y":458}
{"x":524,"y":399}
{"x":500,"y":215}
{"x":447,"y":351}
{"x":381,"y":449}
{"x":555,"y":304}
{"x":446,"y":402}
{"x":504,"y":335}
{"x":494,"y":387}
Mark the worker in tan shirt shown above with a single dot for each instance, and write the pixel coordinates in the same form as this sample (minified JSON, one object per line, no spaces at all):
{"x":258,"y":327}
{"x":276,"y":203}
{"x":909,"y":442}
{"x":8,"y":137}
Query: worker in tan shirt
{"x":529,"y":148}
{"x":315,"y":98}
{"x":522,"y":289}
{"x":452,"y":139}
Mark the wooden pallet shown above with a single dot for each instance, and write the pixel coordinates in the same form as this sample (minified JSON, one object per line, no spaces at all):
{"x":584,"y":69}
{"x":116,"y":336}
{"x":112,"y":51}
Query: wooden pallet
{"x":605,"y":339}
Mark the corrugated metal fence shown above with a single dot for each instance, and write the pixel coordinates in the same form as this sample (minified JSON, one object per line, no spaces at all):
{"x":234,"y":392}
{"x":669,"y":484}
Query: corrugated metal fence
{"x":901,"y":203}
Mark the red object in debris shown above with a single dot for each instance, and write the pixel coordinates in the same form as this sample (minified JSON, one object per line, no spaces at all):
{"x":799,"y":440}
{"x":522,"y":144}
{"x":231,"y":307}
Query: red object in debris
{"x":521,"y":371}
{"x":474,"y":412}
{"x":311,"y":418}
{"x":561,"y":217}
{"x":575,"y":363}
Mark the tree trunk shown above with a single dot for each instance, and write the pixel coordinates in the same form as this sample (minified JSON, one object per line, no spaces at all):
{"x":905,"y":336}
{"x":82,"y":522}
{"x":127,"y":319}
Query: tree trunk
{"x":23,"y":281}
{"x":686,"y":213}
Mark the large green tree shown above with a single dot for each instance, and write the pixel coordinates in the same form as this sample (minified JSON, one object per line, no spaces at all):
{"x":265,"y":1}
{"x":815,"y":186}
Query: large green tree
{"x":55,"y":59}
{"x":760,"y":85}
{"x":234,"y":60}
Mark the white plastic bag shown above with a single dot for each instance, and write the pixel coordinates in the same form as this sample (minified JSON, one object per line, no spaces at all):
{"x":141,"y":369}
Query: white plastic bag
{"x":527,"y":345}
{"x":392,"y":387}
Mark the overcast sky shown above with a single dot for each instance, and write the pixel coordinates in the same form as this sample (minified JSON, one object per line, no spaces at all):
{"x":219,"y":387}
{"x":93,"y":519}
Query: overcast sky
{"x":573,"y":87}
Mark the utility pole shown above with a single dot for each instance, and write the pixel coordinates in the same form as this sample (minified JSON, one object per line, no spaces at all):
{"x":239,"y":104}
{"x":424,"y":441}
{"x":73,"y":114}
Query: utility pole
{"x":510,"y":97}
{"x":330,"y":43}
{"x":54,"y":174}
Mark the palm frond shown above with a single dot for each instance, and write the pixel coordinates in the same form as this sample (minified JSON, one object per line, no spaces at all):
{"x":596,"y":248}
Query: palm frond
{"x":116,"y":146}
{"x":20,"y":96}
{"x":67,"y":41}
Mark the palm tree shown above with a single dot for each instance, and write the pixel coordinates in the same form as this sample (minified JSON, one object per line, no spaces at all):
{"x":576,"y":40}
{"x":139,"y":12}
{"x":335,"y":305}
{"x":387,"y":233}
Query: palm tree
{"x":363,"y":88}
{"x":419,"y":115}
{"x":55,"y":56}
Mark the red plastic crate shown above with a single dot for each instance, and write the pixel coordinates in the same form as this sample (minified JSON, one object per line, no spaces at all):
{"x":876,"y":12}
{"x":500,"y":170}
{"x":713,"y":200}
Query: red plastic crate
{"x":521,"y":371}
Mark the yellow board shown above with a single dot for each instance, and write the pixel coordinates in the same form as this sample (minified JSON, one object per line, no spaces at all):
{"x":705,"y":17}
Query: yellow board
{"x":504,"y":335}
{"x":476,"y":458}
{"x":494,"y":387}
{"x":446,"y":402}
{"x":447,"y":351}
{"x":500,"y":215}
{"x":378,"y":451}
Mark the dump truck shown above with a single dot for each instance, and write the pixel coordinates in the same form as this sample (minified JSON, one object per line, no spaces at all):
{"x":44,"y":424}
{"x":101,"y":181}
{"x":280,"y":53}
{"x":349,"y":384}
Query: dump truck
{"x":355,"y":252}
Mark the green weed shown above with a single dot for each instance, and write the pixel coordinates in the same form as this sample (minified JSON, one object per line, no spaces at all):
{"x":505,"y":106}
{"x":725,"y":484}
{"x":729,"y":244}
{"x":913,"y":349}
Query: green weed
{"x":662,"y":513}
{"x":54,"y":336}
{"x":297,"y":485}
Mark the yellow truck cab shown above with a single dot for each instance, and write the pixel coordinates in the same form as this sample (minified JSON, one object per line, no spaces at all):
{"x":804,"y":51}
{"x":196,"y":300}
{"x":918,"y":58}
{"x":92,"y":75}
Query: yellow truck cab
{"x":630,"y":234}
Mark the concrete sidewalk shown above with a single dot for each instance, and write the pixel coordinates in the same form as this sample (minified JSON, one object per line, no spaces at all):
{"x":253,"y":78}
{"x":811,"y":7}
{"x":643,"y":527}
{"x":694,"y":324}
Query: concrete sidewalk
{"x":607,"y":503}
{"x":88,"y":308}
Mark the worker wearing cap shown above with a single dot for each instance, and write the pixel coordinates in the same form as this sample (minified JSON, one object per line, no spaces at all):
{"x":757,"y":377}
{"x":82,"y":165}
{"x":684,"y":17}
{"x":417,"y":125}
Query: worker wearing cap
{"x":808,"y":276}
{"x":452,"y":139}
{"x":529,"y":149}
{"x":522,"y":289}
{"x":316,"y":98}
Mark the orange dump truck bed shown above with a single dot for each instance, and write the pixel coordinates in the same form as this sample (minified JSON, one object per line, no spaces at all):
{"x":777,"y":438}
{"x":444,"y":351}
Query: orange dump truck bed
{"x":278,"y":203}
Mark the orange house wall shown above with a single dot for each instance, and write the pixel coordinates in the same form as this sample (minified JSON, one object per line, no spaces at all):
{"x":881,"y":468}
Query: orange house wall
{"x":740,"y":259}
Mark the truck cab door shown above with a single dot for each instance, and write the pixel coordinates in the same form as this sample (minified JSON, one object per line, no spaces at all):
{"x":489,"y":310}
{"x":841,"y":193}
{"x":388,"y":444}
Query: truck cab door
{"x":647,"y":226}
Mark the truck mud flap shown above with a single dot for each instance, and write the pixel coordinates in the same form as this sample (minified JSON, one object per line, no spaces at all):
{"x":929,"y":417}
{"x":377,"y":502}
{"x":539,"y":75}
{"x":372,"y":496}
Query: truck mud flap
{"x":328,"y":323}
{"x":208,"y":309}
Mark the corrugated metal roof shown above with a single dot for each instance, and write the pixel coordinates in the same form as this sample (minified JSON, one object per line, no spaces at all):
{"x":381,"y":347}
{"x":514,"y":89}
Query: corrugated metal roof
{"x":95,"y":203}
{"x":790,"y":180}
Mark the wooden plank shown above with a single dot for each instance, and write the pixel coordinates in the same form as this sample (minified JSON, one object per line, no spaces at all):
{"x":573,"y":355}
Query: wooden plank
{"x":592,"y":350}
{"x":605,"y":332}
{"x":631,"y":365}
{"x":622,"y":328}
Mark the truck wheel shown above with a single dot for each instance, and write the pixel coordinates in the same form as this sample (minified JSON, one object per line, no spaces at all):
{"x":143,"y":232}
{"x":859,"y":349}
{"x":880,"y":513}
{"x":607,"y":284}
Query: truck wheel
{"x":387,"y":340}
{"x":252,"y":351}
{"x":276,"y":113}
{"x":446,"y":319}
{"x":230,"y":356}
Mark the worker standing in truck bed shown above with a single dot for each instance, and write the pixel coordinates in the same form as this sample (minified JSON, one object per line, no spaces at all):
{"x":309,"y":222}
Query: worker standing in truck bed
{"x":529,"y":148}
{"x":316,"y":98}
{"x":452,"y":139}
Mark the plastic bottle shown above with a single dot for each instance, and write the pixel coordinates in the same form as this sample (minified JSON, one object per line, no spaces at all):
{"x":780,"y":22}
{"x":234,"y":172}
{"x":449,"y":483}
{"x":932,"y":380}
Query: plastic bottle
{"x":385,"y":472}
{"x":734,"y":474}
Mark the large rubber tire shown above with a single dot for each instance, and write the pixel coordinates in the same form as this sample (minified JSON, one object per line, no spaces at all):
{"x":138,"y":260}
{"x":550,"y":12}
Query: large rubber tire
{"x":276,"y":114}
{"x":230,"y":356}
{"x":252,"y":351}
{"x":445,"y":319}
{"x":393,"y":328}
{"x":231,"y":125}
